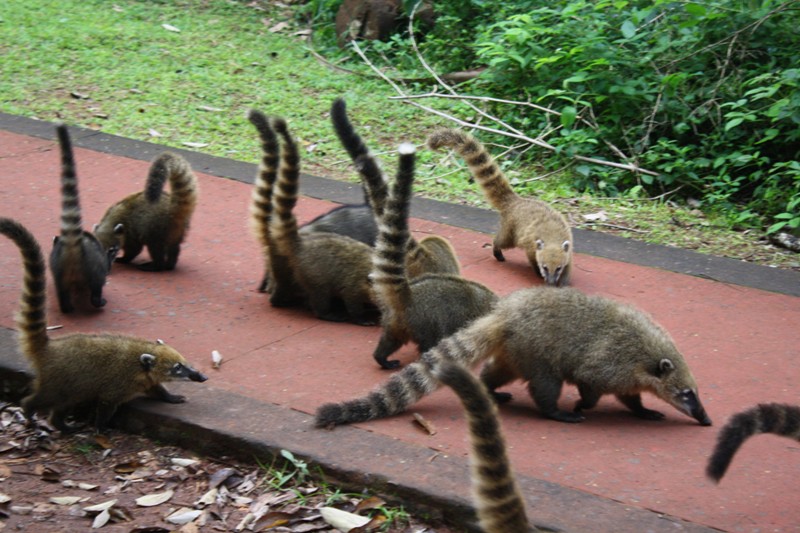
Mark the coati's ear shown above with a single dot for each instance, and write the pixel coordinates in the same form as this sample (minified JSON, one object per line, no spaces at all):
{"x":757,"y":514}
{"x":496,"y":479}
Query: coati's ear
{"x":665,"y":366}
{"x":565,"y":246}
{"x":148,"y":361}
{"x":539,"y":244}
{"x":118,"y":229}
{"x":159,"y":341}
{"x":55,"y":240}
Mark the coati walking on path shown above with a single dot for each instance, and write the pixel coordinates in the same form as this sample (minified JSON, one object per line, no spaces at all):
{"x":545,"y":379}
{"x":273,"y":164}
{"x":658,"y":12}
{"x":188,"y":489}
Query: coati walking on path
{"x":153,"y":218}
{"x":328,"y":268}
{"x":527,"y":223}
{"x":497,"y":497}
{"x":78,"y":262}
{"x":433,"y":254}
{"x":547,"y":336}
{"x":426,"y":308}
{"x":102,"y":370}
{"x":776,"y":418}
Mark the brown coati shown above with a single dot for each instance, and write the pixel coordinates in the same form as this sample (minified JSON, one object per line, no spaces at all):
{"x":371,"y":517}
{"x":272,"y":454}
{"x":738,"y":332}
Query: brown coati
{"x":78,"y":261}
{"x":153,"y":218}
{"x":527,"y":223}
{"x":102,"y":370}
{"x":547,"y":336}
{"x":331,"y":270}
{"x":779,"y":419}
{"x":433,"y":253}
{"x":424,"y":309}
{"x":497,"y":497}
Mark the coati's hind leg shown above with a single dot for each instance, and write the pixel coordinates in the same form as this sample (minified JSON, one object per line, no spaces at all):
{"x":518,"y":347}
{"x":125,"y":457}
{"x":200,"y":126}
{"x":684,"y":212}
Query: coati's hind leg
{"x":504,"y":239}
{"x":172,"y":256}
{"x":634,"y":403}
{"x":157,"y":253}
{"x":495,"y":374}
{"x":359,"y":313}
{"x":322,"y":306}
{"x":387,"y":345}
{"x":65,"y":299}
{"x":159,"y":392}
{"x":545,"y":391}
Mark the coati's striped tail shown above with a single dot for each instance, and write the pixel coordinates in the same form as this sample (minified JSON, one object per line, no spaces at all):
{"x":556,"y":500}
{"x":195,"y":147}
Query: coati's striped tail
{"x":261,"y":199}
{"x":498,"y":500}
{"x":467,"y":346}
{"x":481,"y":164}
{"x":389,"y":276}
{"x":284,"y":224}
{"x":71,"y":223}
{"x":32,"y":317}
{"x":780,"y":419}
{"x":182,"y":182}
{"x":365,"y":162}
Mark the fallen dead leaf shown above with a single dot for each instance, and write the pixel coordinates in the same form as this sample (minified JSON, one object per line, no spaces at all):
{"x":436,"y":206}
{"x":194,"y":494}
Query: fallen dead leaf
{"x":425,"y":424}
{"x":151,"y":500}
{"x":170,"y":27}
{"x":279,"y":27}
{"x":183,"y":515}
{"x":342,"y":520}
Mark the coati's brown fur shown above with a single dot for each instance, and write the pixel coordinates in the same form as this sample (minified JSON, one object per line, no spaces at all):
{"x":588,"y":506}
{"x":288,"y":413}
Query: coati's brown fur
{"x":776,"y":418}
{"x":497,"y":497}
{"x":78,"y":262}
{"x":331,"y":270}
{"x":547,"y":336}
{"x":102,"y":370}
{"x":426,"y":308}
{"x":527,"y":223}
{"x":153,"y":218}
{"x":432,"y":254}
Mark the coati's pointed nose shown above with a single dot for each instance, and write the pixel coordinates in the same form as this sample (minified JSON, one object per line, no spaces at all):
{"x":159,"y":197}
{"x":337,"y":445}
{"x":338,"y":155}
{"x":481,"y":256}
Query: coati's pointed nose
{"x":691,"y":405}
{"x":198,"y":376}
{"x":701,"y":416}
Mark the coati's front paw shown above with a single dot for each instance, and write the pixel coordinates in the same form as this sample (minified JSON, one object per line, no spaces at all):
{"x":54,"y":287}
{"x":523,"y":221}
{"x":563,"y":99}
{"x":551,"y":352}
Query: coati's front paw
{"x":571,"y":417}
{"x":98,"y":302}
{"x":649,"y":414}
{"x":498,"y":254}
{"x":389,"y":365}
{"x":173,"y":398}
{"x":502,"y":397}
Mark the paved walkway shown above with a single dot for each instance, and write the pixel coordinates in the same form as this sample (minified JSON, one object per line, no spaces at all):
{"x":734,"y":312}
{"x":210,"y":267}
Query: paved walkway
{"x":611,"y":473}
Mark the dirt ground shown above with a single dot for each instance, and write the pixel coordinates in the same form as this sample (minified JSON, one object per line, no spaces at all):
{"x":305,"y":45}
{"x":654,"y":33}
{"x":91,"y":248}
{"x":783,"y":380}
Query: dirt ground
{"x":121,"y":483}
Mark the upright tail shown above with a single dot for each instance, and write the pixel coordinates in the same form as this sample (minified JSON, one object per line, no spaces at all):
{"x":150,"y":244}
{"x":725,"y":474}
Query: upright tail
{"x":32,"y":317}
{"x":467,"y":346}
{"x":495,"y":185}
{"x":284,"y":225}
{"x":389,"y":275}
{"x":261,"y":199}
{"x":498,"y":500}
{"x":71,"y":223}
{"x":780,"y":419}
{"x":182,"y":183}
{"x":374,"y":181}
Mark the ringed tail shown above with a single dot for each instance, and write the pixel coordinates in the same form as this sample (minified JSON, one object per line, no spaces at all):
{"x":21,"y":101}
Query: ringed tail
{"x":31,"y":318}
{"x":481,"y":164}
{"x":285,"y":194}
{"x":71,"y":223}
{"x":779,"y":419}
{"x":366,"y":164}
{"x":261,"y":199}
{"x":498,"y":500}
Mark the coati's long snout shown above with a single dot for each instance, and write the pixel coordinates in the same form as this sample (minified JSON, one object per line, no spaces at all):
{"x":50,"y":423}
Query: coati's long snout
{"x":181,"y":371}
{"x":688,"y":402}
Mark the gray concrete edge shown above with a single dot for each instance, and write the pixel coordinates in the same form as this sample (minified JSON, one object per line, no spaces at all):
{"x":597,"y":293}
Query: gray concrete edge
{"x":594,"y":243}
{"x":426,"y":482}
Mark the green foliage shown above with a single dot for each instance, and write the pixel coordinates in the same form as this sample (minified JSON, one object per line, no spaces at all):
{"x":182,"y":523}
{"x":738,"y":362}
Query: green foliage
{"x":705,"y":94}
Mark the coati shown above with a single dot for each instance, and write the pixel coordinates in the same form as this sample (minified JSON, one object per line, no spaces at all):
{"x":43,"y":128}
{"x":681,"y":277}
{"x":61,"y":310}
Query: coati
{"x":527,"y":223}
{"x":153,"y":218}
{"x":78,"y":262}
{"x":102,"y":370}
{"x":329,"y":269}
{"x":431,"y":254}
{"x":497,"y":497}
{"x":780,"y":419}
{"x":547,"y":336}
{"x":424,"y":309}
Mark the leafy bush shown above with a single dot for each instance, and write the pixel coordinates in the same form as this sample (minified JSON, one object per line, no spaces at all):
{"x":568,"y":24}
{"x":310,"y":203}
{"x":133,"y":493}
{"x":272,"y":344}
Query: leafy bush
{"x":706,"y":95}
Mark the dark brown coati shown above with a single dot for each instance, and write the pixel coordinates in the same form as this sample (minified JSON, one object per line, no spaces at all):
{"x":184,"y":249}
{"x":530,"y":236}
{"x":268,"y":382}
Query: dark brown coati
{"x":548,"y":336}
{"x":331,"y":270}
{"x":73,"y":371}
{"x":153,"y":218}
{"x":527,"y":223}
{"x":776,"y":418}
{"x":424,"y":309}
{"x":433,"y":253}
{"x":78,"y":261}
{"x":497,"y":498}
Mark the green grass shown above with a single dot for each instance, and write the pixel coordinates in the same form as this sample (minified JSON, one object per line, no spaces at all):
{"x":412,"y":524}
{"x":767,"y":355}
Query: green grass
{"x":113,"y":66}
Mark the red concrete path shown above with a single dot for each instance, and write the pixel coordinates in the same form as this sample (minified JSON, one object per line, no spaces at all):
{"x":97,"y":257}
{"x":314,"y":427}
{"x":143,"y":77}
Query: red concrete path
{"x":741,"y":344}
